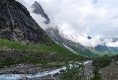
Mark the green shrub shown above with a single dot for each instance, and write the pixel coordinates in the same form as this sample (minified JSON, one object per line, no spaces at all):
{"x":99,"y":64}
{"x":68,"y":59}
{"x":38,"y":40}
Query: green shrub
{"x":103,"y":62}
{"x":6,"y":62}
{"x":97,"y":75}
{"x":75,"y":72}
{"x":115,"y":58}
{"x":100,"y":63}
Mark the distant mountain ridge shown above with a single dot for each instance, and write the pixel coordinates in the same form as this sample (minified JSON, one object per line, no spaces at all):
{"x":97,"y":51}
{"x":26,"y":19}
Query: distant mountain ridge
{"x":54,"y":34}
{"x":114,"y":39}
{"x":72,"y":46}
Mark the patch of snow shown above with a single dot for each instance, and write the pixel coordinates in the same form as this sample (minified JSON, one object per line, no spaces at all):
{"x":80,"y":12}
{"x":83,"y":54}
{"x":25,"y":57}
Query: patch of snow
{"x":69,"y":48}
{"x":83,"y":50}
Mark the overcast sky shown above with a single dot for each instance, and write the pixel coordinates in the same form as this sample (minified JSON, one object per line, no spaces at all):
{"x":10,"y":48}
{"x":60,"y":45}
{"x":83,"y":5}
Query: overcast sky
{"x":77,"y":19}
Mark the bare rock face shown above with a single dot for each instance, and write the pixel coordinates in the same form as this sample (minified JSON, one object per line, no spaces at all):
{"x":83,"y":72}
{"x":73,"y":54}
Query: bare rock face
{"x":16,"y":24}
{"x":37,"y":9}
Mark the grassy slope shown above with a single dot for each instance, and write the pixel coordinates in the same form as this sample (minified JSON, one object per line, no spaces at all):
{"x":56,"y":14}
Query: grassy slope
{"x":84,"y":51}
{"x":97,"y":52}
{"x":18,"y":48}
{"x":111,"y":52}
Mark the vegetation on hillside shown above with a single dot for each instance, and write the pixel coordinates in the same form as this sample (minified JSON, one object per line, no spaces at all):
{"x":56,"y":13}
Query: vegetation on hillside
{"x":97,"y":75}
{"x":14,"y":53}
{"x":102,"y":62}
{"x":78,"y":73}
{"x":98,"y":64}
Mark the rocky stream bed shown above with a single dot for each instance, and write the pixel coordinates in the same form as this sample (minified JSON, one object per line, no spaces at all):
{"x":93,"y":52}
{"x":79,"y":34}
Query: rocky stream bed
{"x":35,"y":72}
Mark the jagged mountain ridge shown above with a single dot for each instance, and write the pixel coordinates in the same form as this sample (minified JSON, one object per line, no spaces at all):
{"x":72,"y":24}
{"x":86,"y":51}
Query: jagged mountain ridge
{"x":16,"y":24}
{"x":72,"y":46}
{"x":56,"y":37}
{"x":75,"y":47}
{"x":39,"y":10}
{"x":97,"y":51}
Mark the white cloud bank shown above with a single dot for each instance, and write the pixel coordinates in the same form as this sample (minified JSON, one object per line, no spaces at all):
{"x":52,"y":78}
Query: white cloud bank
{"x":79,"y":18}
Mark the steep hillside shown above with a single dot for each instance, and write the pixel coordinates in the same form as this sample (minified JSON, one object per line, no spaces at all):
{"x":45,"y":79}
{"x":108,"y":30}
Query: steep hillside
{"x":72,"y":46}
{"x":94,"y":52}
{"x":111,"y":51}
{"x":16,"y":24}
{"x":56,"y":37}
{"x":15,"y":53}
{"x":17,"y":29}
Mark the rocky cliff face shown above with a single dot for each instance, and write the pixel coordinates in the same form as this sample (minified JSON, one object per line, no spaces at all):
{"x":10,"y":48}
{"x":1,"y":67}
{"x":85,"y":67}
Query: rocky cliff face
{"x":114,"y":39}
{"x":16,"y":24}
{"x":39,"y":10}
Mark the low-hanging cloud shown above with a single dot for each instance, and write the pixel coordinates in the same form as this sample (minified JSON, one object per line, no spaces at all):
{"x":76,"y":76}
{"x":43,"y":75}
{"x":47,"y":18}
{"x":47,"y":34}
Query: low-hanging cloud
{"x":77,"y":19}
